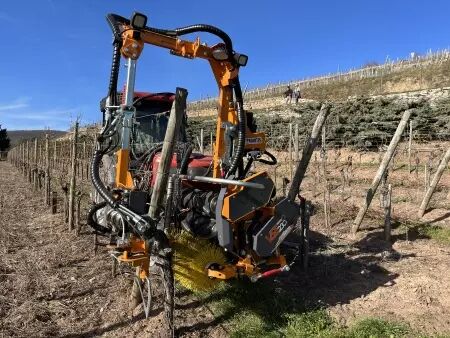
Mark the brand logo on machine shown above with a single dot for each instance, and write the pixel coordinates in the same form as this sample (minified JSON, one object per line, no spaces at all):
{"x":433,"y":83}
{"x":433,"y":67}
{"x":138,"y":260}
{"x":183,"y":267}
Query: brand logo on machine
{"x":253,"y":140}
{"x":277,"y":229}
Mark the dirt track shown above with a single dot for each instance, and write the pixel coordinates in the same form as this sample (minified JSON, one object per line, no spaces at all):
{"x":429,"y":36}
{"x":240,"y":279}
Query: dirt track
{"x":54,"y":285}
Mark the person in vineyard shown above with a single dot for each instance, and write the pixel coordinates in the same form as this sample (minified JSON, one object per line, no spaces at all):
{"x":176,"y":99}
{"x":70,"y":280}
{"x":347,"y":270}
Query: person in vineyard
{"x":297,"y":94}
{"x":288,"y":95}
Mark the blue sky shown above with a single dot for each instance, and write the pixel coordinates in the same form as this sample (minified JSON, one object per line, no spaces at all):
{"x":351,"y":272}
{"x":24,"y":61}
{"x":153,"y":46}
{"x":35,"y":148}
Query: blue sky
{"x":56,"y":54}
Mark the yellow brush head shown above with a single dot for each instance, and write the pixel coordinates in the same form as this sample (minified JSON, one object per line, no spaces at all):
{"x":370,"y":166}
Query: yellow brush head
{"x":191,"y":256}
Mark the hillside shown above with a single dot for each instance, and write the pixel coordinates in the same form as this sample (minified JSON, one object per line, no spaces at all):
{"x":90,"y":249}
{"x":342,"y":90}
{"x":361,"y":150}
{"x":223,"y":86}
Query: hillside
{"x":367,"y":105}
{"x":363,"y":122}
{"x":18,"y":135}
{"x":431,"y":76}
{"x":401,"y":77}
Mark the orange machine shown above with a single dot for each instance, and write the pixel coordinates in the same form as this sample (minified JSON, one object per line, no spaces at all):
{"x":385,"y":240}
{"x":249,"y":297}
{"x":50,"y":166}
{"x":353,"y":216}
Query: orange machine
{"x":227,"y":203}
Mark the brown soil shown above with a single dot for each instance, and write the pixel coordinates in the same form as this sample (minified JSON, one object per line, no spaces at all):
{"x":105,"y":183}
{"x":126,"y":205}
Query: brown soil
{"x":54,"y":285}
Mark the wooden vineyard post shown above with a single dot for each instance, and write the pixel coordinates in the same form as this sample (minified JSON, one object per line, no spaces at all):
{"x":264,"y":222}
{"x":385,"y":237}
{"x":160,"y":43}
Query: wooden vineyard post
{"x":326,"y":204}
{"x":47,"y":171}
{"x":437,"y":176}
{"x":25,"y":163}
{"x":307,"y":210}
{"x":201,"y":141}
{"x":162,"y":175}
{"x":83,"y":161}
{"x":28,"y":162}
{"x":324,"y":136}
{"x":290,"y":152}
{"x":22,"y":158}
{"x":310,"y":145}
{"x":417,"y":167}
{"x":409,"y":146}
{"x":275,"y":175}
{"x":73,"y":174}
{"x":384,"y":183}
{"x":65,"y":190}
{"x":381,"y":170}
{"x":77,"y":212}
{"x":211,"y":143}
{"x":387,"y":213}
{"x":40,"y":155}
{"x":296,"y":143}
{"x":54,"y":202}
{"x":54,"y":154}
{"x":326,"y":186}
{"x":35,"y":167}
{"x":344,"y":183}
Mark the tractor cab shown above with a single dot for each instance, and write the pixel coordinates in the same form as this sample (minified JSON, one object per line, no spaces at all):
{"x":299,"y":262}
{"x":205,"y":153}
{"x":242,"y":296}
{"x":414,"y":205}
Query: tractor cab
{"x":152,"y":115}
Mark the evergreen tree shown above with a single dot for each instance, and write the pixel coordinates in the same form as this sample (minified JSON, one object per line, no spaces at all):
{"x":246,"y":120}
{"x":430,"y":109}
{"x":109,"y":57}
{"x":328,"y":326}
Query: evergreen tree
{"x":4,"y":139}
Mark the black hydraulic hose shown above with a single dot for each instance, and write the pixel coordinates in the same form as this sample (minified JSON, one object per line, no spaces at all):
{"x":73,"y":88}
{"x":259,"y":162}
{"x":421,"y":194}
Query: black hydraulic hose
{"x":237,"y":156}
{"x":98,"y":228}
{"x":97,"y":182}
{"x":208,"y":29}
{"x":185,"y":160}
{"x":273,"y":160}
{"x":120,"y":20}
{"x":112,"y":90}
{"x":113,"y":21}
{"x":116,"y":20}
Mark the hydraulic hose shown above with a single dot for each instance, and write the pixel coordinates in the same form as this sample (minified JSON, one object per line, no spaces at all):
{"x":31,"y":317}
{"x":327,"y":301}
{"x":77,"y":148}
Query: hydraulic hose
{"x":97,"y":182}
{"x":237,"y":156}
{"x":113,"y":21}
{"x":98,"y":228}
{"x":185,"y":160}
{"x":273,"y":160}
{"x":209,"y":29}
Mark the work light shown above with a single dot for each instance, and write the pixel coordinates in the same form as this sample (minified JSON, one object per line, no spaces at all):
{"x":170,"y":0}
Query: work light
{"x":241,"y":59}
{"x":138,"y":20}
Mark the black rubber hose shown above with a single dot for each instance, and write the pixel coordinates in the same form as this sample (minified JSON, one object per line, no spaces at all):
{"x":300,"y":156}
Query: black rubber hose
{"x":98,"y":228}
{"x":97,"y":182}
{"x":120,"y":20}
{"x":237,"y":156}
{"x":185,"y":160}
{"x":114,"y":23}
{"x":273,"y":160}
{"x":116,"y":20}
{"x":209,"y":29}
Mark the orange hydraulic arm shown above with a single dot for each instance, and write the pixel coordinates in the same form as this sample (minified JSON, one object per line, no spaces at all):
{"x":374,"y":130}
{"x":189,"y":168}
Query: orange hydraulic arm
{"x":224,"y":71}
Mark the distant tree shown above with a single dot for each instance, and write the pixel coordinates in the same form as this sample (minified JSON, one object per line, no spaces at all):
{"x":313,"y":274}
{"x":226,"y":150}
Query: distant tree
{"x":4,"y":139}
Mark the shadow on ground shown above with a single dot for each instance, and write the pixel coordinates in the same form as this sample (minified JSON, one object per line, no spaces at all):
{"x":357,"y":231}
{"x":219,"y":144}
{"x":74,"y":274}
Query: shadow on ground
{"x":337,"y":274}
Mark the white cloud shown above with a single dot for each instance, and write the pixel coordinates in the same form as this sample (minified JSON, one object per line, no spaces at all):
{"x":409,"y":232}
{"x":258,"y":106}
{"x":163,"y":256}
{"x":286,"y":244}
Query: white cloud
{"x":16,"y":104}
{"x":19,"y":114}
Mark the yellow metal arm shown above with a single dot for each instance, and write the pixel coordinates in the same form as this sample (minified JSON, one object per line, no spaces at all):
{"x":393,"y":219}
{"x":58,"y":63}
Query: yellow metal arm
{"x":223,"y":72}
